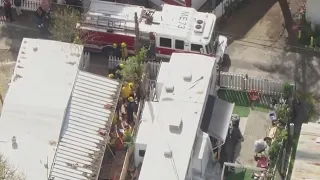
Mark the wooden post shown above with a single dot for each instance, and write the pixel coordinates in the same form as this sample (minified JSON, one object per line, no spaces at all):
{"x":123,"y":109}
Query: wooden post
{"x":137,"y":34}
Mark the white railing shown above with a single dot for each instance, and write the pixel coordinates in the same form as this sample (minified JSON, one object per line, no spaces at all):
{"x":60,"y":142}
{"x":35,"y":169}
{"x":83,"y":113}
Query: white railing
{"x":86,"y":61}
{"x":241,"y":82}
{"x":29,"y":5}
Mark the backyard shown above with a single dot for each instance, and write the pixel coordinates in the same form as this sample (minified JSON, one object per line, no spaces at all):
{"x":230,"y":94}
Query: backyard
{"x":242,"y":101}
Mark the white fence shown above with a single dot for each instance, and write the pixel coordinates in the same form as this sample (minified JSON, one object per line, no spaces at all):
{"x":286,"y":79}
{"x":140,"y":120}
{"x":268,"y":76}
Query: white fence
{"x":153,"y":67}
{"x":29,"y":5}
{"x":242,"y":82}
{"x":86,"y":61}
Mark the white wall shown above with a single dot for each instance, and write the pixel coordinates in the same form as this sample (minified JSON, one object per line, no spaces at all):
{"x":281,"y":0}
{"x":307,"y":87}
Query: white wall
{"x":313,"y":13}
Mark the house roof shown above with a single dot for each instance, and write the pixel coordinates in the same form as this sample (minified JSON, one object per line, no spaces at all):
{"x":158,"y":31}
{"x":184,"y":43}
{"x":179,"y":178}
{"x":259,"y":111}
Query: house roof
{"x":185,"y":105}
{"x":81,"y":148}
{"x":306,"y":164}
{"x":35,"y":104}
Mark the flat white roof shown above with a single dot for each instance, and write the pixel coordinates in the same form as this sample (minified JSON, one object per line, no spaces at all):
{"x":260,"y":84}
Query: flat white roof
{"x":185,"y":104}
{"x":35,"y":104}
{"x":307,"y":161}
{"x":81,"y":148}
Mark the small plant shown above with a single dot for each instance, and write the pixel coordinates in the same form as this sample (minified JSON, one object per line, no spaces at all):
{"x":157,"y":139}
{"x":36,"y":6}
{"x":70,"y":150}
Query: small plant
{"x":310,"y":102}
{"x":288,"y":90}
{"x":275,"y":147}
{"x":283,"y":113}
{"x":134,"y":67}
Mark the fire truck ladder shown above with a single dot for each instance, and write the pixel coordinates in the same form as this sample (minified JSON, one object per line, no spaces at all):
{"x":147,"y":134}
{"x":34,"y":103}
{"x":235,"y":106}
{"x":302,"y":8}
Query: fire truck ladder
{"x":109,"y":21}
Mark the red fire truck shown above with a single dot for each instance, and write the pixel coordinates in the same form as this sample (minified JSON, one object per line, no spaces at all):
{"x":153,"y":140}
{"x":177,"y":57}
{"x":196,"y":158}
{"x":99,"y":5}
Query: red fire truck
{"x":174,"y":29}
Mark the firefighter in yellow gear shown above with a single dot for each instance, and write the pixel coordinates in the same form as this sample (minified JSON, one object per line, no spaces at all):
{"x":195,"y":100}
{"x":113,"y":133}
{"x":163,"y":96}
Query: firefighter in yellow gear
{"x":115,"y":50}
{"x":124,"y":50}
{"x":111,"y":76}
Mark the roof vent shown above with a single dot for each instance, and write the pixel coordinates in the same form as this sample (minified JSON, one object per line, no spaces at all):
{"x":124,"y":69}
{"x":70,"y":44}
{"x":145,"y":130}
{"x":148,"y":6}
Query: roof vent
{"x":175,"y":125}
{"x":199,"y":21}
{"x":167,"y":153}
{"x":169,"y":88}
{"x":187,"y":77}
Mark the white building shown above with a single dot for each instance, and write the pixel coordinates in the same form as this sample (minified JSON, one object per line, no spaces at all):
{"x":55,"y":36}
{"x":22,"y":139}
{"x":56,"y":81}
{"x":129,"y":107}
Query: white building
{"x":170,"y":143}
{"x":306,"y":163}
{"x":53,"y":109}
{"x":312,"y":11}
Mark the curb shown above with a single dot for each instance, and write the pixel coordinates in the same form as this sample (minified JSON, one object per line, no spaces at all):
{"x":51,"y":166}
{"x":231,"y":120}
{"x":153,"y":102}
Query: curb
{"x":8,"y":24}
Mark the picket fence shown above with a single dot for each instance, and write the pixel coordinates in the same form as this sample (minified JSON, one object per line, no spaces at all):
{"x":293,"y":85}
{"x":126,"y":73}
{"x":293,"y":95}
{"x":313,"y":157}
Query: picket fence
{"x":153,"y":66}
{"x":241,"y":82}
{"x":29,"y":5}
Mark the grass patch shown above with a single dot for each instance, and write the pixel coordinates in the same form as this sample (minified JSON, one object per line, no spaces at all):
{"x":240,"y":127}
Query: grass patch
{"x":242,"y":111}
{"x":242,"y":101}
{"x":240,"y":174}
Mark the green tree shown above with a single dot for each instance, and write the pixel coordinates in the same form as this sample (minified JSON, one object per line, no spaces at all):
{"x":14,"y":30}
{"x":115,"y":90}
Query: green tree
{"x":310,"y":102}
{"x":8,"y":172}
{"x":64,"y":25}
{"x":134,"y":67}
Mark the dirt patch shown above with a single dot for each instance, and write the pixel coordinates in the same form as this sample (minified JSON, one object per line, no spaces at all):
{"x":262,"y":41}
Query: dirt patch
{"x":7,"y":63}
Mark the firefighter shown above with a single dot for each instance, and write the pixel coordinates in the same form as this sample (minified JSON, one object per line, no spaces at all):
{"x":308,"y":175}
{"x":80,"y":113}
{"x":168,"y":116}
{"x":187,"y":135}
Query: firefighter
{"x":116,"y":50}
{"x":124,"y":51}
{"x":118,"y":71}
{"x":130,"y":110}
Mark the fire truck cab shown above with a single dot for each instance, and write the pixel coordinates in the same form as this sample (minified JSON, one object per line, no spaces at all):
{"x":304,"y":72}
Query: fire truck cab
{"x":174,"y":29}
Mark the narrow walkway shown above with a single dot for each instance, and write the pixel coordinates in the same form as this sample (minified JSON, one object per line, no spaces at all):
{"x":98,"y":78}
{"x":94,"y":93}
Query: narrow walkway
{"x":256,"y":127}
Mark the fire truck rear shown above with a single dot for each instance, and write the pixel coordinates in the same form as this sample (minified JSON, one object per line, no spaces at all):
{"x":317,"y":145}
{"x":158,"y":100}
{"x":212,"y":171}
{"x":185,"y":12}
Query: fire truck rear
{"x":174,"y":29}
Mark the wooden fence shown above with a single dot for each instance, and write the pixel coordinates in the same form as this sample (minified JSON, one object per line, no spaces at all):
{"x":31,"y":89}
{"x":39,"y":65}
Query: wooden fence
{"x":241,"y":82}
{"x":29,"y":5}
{"x":152,"y":66}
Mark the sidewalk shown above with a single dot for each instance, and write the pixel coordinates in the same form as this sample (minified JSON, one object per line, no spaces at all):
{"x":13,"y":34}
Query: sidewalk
{"x":12,"y":33}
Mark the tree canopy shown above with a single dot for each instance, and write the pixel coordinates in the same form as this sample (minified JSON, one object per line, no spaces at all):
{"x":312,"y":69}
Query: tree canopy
{"x":7,"y":171}
{"x":64,"y":25}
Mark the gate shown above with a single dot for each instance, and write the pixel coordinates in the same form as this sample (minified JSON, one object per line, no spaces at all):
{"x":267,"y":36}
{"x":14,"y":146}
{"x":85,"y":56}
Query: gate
{"x":241,"y":82}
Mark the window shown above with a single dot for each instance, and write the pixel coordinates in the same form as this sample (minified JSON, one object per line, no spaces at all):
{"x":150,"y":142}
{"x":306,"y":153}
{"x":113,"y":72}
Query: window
{"x":165,"y":42}
{"x":142,"y":153}
{"x":179,"y":44}
{"x":196,"y":47}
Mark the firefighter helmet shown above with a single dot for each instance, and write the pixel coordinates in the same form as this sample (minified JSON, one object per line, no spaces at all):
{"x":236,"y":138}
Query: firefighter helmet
{"x":131,"y":85}
{"x":130,"y":99}
{"x":123,"y":45}
{"x":114,"y":45}
{"x":111,"y":76}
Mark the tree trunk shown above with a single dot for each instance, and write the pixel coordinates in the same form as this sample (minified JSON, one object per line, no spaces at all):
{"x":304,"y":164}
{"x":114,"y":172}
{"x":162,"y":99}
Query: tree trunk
{"x":288,"y":19}
{"x":137,"y":34}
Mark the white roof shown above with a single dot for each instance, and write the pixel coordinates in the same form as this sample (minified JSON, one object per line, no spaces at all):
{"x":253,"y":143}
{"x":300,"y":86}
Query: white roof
{"x":180,"y":22}
{"x":35,"y":104}
{"x":185,"y":104}
{"x":307,"y":161}
{"x":81,"y":148}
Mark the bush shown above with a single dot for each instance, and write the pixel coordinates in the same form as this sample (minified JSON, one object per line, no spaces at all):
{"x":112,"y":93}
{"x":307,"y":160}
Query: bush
{"x":7,"y":171}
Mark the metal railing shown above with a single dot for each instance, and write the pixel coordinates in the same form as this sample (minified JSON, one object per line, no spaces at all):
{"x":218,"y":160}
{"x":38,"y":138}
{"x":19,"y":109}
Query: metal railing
{"x":29,"y":5}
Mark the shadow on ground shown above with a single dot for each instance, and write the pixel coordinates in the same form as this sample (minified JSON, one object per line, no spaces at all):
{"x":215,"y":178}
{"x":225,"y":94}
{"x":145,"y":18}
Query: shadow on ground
{"x":242,"y":20}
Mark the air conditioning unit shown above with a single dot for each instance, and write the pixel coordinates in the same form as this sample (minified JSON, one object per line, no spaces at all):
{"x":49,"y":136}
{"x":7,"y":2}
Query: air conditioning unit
{"x":198,"y":28}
